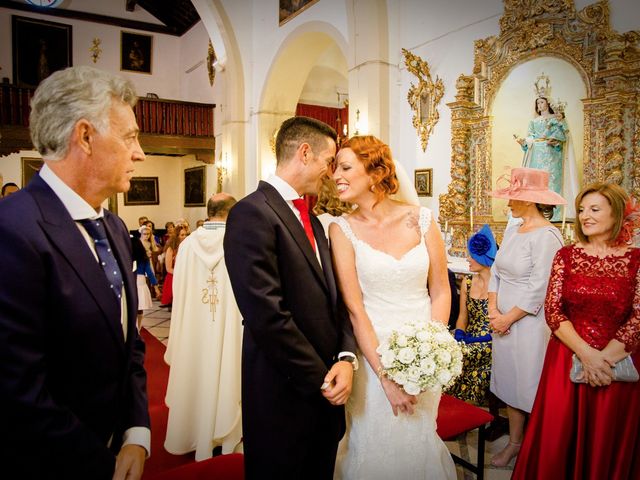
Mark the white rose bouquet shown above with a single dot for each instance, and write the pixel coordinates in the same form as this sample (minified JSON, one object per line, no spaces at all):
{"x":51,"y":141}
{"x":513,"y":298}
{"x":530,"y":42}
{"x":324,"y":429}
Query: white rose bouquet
{"x":421,"y":356}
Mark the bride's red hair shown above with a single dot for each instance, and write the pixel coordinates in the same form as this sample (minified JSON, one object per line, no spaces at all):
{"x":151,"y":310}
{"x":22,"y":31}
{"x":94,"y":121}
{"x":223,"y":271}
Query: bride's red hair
{"x":376,"y":157}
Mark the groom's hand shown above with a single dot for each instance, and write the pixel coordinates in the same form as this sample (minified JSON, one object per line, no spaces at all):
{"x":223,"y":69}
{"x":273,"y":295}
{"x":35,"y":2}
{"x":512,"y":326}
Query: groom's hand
{"x":339,"y":379}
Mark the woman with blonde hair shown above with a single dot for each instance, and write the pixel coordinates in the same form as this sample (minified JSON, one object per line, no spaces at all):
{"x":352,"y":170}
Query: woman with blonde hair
{"x":585,"y":419}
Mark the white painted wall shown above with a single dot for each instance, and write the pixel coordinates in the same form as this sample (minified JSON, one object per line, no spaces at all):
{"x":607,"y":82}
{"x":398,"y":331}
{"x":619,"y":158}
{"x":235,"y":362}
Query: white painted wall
{"x":171,"y":55}
{"x":170,"y":173}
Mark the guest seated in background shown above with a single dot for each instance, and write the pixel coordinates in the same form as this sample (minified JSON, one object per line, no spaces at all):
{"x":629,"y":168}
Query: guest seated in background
{"x":184,"y":223}
{"x":472,"y":327}
{"x":156,"y":250}
{"x":205,"y":344}
{"x":473,"y":330}
{"x":170,"y":252}
{"x":149,"y":243}
{"x":9,"y":188}
{"x":199,"y":223}
{"x":519,"y":278}
{"x":169,"y":228}
{"x":589,"y":430}
{"x":143,"y":272}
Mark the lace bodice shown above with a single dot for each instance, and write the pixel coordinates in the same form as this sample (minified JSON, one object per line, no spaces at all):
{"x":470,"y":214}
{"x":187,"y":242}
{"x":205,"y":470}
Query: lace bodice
{"x":599,"y":296}
{"x":394,"y":287}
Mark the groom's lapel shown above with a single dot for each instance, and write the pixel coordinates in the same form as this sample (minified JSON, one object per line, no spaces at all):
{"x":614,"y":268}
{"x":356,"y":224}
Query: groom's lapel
{"x":280,"y":207}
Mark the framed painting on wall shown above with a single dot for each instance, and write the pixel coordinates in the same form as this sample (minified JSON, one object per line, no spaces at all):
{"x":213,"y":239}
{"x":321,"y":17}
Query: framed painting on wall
{"x":39,"y":49}
{"x":30,"y":166}
{"x":290,"y":8}
{"x":135,"y":52}
{"x":194,"y":187}
{"x":423,"y":179}
{"x":143,"y":191}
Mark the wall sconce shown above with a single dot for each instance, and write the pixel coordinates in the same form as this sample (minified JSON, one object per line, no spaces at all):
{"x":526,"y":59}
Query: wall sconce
{"x":357,"y":123}
{"x":222,"y":167}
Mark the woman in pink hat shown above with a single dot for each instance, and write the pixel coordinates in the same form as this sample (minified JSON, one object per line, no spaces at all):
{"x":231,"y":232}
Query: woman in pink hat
{"x":519,"y":278}
{"x":584,"y":424}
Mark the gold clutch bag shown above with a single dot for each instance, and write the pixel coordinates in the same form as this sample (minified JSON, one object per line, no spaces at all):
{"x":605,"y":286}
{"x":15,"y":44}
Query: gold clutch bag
{"x":623,"y":371}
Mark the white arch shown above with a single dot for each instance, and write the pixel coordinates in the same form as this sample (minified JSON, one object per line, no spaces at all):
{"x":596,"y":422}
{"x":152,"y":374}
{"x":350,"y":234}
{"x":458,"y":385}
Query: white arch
{"x":289,"y":70}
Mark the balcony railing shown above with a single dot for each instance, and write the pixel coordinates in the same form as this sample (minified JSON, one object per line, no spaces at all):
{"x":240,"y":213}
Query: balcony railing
{"x":155,"y":116}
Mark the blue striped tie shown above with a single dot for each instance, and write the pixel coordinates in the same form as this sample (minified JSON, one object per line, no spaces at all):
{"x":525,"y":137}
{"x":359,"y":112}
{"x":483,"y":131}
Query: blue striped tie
{"x":95,"y":228}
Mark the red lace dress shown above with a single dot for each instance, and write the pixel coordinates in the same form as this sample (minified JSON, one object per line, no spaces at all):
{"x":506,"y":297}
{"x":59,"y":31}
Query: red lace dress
{"x":577,"y":431}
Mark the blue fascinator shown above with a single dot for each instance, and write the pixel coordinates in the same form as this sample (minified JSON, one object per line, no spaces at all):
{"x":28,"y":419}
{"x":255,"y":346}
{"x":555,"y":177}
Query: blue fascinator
{"x":482,"y":246}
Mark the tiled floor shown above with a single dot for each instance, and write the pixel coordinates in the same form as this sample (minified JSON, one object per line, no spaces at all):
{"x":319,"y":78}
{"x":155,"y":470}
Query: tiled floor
{"x":158,"y":320}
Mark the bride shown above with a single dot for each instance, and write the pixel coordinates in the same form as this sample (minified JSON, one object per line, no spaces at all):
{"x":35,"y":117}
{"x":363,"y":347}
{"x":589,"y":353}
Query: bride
{"x":386,"y":253}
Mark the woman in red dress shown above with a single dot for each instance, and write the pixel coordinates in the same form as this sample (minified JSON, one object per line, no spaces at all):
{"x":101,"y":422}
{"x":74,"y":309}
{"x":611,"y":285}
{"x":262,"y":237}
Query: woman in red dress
{"x":590,"y":430}
{"x":170,"y":252}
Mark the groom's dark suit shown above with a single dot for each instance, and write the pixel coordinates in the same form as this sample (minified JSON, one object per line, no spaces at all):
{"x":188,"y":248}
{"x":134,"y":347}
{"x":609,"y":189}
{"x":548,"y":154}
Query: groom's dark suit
{"x":69,"y":382}
{"x":295,"y":326}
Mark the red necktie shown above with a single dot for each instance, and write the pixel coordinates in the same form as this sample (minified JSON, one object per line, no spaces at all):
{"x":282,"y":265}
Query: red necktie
{"x":301,"y":205}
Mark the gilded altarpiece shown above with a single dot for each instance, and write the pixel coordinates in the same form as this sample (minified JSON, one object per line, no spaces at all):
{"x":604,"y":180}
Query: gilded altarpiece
{"x":609,"y":64}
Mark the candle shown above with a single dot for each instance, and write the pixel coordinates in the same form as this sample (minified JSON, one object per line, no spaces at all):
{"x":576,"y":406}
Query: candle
{"x":564,"y":216}
{"x":446,"y":226}
{"x":451,"y":230}
{"x":471,"y":218}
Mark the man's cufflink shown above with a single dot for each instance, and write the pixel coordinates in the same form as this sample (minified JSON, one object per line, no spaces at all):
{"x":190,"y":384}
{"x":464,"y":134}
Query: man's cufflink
{"x":353,"y":360}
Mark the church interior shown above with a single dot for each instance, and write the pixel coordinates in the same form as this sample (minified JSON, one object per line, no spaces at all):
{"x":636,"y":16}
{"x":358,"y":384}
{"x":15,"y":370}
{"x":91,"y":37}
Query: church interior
{"x":448,"y":85}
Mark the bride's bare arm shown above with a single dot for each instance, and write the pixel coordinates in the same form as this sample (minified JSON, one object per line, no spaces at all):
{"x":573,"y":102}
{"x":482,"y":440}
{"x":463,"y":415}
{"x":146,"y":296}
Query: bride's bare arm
{"x":438,"y":279}
{"x":347,"y":278}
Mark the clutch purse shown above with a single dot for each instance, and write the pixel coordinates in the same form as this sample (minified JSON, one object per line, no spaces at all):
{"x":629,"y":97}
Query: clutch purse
{"x":623,"y":371}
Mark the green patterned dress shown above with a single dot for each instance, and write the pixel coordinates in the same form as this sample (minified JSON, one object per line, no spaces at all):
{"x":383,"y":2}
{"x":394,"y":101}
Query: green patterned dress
{"x":473,"y":384}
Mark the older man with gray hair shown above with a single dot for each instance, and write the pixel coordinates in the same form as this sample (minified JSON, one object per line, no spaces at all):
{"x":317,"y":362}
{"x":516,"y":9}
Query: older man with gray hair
{"x":73,"y":400}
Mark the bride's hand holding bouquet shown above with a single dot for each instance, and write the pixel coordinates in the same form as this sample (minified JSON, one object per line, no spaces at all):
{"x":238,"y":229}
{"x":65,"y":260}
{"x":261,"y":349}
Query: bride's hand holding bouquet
{"x":418,"y":357}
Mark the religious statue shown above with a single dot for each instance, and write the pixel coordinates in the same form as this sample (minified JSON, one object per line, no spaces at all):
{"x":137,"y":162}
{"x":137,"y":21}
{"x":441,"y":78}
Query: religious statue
{"x":547,"y":146}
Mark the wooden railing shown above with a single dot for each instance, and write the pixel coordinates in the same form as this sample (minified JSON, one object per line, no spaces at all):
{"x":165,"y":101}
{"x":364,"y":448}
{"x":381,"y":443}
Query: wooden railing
{"x":14,"y":105}
{"x":155,"y":116}
{"x":170,"y":117}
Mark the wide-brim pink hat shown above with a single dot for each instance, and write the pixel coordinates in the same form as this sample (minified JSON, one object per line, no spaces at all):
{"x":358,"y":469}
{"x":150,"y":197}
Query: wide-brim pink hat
{"x":529,"y":185}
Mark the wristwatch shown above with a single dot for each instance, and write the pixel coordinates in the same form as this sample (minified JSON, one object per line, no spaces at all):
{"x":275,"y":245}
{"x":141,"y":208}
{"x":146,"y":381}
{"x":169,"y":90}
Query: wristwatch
{"x":352,"y":359}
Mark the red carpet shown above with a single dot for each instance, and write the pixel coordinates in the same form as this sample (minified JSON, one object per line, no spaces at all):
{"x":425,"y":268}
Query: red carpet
{"x":157,"y":378}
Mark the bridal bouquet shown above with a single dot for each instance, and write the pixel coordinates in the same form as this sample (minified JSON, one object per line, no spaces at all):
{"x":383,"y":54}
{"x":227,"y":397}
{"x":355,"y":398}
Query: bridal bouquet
{"x":421,"y":356}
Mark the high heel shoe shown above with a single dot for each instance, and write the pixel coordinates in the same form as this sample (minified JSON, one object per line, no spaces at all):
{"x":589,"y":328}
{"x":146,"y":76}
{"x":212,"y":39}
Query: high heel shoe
{"x":504,"y":457}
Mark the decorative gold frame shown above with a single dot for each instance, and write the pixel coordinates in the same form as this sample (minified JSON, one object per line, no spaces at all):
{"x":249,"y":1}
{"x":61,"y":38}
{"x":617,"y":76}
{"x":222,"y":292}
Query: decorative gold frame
{"x":423,"y":182}
{"x":609,"y":63}
{"x":211,"y":60}
{"x":424,"y":96}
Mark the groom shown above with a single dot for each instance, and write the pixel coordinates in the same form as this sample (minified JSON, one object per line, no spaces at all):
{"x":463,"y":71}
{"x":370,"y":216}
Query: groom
{"x":297,"y":360}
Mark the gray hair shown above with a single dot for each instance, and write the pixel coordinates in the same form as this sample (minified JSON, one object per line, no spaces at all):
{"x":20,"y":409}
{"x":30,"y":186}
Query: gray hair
{"x":68,"y":96}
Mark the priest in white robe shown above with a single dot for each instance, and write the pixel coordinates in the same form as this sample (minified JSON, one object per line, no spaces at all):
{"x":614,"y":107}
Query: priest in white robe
{"x":205,"y":340}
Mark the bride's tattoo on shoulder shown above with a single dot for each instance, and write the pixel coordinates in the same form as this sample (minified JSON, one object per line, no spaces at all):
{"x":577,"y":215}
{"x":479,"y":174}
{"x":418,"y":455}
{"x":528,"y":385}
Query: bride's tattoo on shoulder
{"x":412,"y":222}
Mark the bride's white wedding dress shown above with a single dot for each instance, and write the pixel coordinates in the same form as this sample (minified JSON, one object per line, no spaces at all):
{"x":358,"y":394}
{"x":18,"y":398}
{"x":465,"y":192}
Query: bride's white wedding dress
{"x":379,"y":445}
